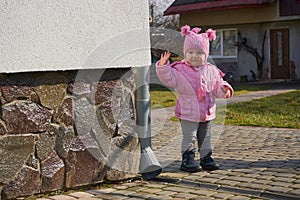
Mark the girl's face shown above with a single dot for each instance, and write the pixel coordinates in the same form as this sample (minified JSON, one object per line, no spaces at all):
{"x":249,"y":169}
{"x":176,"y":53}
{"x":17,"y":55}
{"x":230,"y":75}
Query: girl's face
{"x":195,"y":57}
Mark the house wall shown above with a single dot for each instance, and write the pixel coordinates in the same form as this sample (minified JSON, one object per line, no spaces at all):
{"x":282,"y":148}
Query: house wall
{"x":234,"y":16}
{"x":62,"y":34}
{"x":294,"y":46}
{"x":67,"y":113}
{"x":246,"y":61}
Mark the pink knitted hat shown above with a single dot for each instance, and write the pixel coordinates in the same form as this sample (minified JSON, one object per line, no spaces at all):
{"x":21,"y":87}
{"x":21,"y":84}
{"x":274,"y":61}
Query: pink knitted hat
{"x":193,"y":40}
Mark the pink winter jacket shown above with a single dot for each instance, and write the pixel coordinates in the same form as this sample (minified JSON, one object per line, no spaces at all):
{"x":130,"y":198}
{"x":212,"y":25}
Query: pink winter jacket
{"x":196,"y":88}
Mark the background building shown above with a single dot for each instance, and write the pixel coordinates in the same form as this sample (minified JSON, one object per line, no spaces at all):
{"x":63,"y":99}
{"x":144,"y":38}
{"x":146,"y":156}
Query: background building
{"x":255,"y":39}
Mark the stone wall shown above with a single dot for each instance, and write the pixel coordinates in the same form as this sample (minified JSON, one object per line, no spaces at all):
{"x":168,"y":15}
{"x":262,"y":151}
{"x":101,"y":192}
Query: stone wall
{"x":59,"y":130}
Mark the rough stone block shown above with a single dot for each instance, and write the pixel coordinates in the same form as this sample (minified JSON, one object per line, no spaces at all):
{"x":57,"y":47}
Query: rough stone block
{"x":65,"y":114}
{"x":26,"y":117}
{"x":52,"y":171}
{"x":14,"y":151}
{"x":27,"y":182}
{"x":10,"y":93}
{"x":84,"y":164}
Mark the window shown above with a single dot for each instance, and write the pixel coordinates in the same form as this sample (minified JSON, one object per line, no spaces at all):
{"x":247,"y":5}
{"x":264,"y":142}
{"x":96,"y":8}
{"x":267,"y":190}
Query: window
{"x":288,"y":8}
{"x":224,"y":45}
{"x":279,"y":48}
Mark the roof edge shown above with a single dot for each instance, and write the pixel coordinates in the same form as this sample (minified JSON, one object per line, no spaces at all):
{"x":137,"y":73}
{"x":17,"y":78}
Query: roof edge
{"x":213,"y":6}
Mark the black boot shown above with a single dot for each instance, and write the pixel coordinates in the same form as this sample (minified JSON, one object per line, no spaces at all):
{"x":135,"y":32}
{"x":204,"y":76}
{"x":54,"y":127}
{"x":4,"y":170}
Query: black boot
{"x":188,"y":162}
{"x":208,"y":163}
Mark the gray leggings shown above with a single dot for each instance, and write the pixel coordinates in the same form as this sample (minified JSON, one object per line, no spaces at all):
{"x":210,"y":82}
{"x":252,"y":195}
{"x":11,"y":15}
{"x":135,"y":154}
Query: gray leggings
{"x":192,"y":131}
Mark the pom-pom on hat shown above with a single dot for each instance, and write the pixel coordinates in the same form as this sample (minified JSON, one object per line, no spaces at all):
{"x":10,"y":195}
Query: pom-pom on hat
{"x":194,"y":40}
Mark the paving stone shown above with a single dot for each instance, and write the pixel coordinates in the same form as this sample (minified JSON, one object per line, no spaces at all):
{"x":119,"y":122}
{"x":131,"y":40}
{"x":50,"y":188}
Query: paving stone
{"x":173,"y":175}
{"x":296,"y":186}
{"x":239,"y":198}
{"x":198,"y":198}
{"x":216,"y":176}
{"x":280,"y":184}
{"x":195,"y":176}
{"x":228,"y":182}
{"x":257,"y":198}
{"x":101,"y":191}
{"x":62,"y":197}
{"x":43,"y":198}
{"x":240,"y":179}
{"x":222,"y":172}
{"x":284,"y":179}
{"x":203,"y":192}
{"x":257,"y":170}
{"x":184,"y":195}
{"x":295,"y":192}
{"x":133,"y":198}
{"x":265,"y":177}
{"x":253,"y":186}
{"x":222,"y":195}
{"x":166,"y":193}
{"x":111,"y":196}
{"x":179,"y":189}
{"x":156,"y":185}
{"x":133,"y":183}
{"x":154,"y":197}
{"x":297,"y":176}
{"x":264,"y":182}
{"x":143,"y":195}
{"x":208,"y":180}
{"x":278,"y":189}
{"x":280,"y":170}
{"x":297,"y":181}
{"x":151,"y":190}
{"x":285,"y":175}
{"x":136,"y":188}
{"x":81,"y":195}
{"x":251,"y":175}
{"x":124,"y":192}
{"x":120,"y":187}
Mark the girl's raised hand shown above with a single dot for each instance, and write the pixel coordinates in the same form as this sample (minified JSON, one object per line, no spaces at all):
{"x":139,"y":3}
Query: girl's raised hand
{"x":227,"y":93}
{"x":164,"y":57}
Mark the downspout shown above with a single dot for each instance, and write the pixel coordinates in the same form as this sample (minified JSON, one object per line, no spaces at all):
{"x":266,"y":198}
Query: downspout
{"x":149,"y":165}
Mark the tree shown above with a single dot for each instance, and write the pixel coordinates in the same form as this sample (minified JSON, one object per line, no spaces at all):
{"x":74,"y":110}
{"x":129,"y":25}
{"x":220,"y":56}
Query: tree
{"x":157,"y":19}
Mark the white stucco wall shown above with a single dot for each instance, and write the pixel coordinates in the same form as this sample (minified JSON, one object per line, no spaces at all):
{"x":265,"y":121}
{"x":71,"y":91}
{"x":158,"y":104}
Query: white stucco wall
{"x":295,"y":47}
{"x":73,"y":34}
{"x":246,"y":61}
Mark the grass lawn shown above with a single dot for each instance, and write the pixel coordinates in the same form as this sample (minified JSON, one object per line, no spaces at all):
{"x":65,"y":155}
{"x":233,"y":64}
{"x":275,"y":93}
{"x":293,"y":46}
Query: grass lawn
{"x":282,"y":110}
{"x":243,"y":89}
{"x":161,"y":97}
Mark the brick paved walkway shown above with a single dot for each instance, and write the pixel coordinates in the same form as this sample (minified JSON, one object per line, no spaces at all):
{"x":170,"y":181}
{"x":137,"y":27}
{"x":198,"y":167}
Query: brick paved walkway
{"x":256,"y":163}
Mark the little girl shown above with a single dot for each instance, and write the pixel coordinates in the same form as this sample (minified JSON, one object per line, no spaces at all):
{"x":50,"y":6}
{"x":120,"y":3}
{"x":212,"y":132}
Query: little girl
{"x":197,"y":84}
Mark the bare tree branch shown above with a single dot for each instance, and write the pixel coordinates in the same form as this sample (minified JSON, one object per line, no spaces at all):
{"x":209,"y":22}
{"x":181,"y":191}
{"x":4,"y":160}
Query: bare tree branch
{"x":259,"y":57}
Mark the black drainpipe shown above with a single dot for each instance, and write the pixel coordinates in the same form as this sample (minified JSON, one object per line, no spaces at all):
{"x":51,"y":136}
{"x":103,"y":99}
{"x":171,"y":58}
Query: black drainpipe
{"x":149,"y":165}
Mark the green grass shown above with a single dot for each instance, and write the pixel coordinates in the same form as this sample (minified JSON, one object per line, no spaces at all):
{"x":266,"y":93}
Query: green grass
{"x":161,"y":97}
{"x":281,"y":110}
{"x":276,"y":111}
{"x":243,"y":89}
